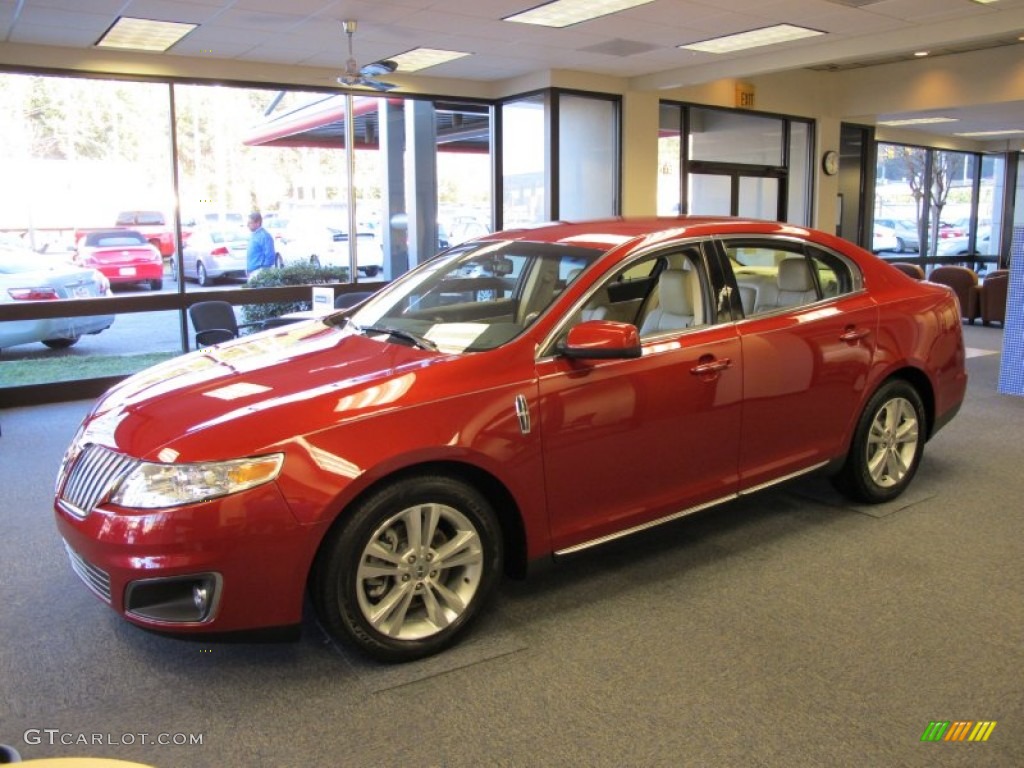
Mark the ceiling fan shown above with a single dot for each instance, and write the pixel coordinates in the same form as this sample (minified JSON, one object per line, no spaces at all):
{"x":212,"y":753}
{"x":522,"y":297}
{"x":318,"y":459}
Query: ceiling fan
{"x":367,"y":75}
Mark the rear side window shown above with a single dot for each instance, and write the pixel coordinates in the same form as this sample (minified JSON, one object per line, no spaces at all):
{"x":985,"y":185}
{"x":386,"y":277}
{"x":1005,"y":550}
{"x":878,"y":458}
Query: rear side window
{"x":776,"y":275}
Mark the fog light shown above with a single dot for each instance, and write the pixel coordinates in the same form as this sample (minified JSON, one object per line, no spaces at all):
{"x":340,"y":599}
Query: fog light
{"x":201,"y":598}
{"x":175,"y":600}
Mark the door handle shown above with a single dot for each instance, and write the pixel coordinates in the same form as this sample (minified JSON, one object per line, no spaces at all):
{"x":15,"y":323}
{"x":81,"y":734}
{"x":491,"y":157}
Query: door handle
{"x":709,"y":366}
{"x":853,"y":334}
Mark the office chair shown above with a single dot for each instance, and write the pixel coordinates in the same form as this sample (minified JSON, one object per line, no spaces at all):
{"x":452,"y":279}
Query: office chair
{"x":214,"y":322}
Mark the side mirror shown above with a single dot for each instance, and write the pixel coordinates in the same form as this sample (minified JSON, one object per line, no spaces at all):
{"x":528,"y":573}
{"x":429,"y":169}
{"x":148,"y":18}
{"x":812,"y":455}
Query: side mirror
{"x":601,"y":340}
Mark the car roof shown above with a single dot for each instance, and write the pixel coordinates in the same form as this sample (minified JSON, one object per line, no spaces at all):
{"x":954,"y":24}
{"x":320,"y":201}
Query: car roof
{"x":605,"y":234}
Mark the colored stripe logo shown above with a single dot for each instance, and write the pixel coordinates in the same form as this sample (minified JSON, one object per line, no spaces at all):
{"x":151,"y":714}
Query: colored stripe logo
{"x":958,"y":730}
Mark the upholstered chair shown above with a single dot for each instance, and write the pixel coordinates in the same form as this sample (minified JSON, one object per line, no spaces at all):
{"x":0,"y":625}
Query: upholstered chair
{"x":964,"y":283}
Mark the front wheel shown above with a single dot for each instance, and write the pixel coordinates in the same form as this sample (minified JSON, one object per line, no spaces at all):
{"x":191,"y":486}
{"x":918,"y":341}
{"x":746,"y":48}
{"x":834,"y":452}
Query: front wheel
{"x":409,"y":569}
{"x":887,"y":445}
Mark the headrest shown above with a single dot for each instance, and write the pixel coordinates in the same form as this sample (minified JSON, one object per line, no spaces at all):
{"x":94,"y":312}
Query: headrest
{"x":794,"y":275}
{"x":675,"y":292}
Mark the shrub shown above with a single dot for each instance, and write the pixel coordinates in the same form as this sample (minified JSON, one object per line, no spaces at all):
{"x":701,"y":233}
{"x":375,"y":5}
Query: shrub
{"x":296,"y":274}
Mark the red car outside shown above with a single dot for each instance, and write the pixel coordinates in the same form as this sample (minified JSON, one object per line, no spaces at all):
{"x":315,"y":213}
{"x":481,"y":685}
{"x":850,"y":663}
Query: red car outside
{"x":517,"y":398}
{"x":124,"y":256}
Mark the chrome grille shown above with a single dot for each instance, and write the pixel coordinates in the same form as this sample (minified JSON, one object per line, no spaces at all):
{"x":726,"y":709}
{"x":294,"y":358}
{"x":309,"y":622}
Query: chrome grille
{"x":91,"y":477}
{"x":95,"y":578}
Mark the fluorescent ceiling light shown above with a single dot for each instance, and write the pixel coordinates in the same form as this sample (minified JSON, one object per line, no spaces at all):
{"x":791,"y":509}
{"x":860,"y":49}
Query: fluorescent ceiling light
{"x":143,"y":34}
{"x":421,"y":58}
{"x":1007,"y":132}
{"x":780,"y":33}
{"x":564,"y":13}
{"x":986,"y":2}
{"x":919,"y":121}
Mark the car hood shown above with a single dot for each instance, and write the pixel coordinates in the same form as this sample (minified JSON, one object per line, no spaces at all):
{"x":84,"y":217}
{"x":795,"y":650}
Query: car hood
{"x":260,"y":391}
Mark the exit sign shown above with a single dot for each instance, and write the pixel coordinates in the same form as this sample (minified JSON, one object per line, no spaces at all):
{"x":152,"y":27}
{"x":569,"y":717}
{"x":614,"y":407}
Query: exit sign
{"x":744,"y":95}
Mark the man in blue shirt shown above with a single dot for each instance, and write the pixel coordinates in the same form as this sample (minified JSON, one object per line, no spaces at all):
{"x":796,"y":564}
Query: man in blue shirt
{"x":261,"y":253}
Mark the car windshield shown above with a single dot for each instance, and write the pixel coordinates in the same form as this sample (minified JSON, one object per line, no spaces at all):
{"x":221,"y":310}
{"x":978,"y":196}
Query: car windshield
{"x":229,"y":236}
{"x":473,"y":298}
{"x":115,"y":239}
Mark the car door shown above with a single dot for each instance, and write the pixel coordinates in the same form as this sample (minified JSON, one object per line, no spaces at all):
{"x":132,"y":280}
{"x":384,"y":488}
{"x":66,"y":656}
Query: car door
{"x":807,"y":355}
{"x":629,"y":442}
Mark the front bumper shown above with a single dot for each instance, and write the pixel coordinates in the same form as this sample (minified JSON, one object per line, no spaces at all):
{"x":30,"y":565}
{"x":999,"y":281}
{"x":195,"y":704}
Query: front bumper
{"x":234,"y":563}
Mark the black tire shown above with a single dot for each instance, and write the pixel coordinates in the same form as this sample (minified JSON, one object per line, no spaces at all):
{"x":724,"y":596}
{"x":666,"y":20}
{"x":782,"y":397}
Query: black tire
{"x":398,"y":601}
{"x":60,"y":343}
{"x":900,"y":245}
{"x":314,"y":261}
{"x":278,"y":261}
{"x":201,"y":277}
{"x":156,"y":285}
{"x":887,"y":445}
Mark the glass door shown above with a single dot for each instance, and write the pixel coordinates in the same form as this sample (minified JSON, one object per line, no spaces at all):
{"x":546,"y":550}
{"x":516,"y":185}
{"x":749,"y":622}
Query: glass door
{"x":735,"y":194}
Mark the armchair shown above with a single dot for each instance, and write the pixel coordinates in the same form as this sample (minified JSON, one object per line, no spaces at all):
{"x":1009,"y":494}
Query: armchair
{"x":993,"y":296}
{"x":964,"y":283}
{"x":912,"y":270}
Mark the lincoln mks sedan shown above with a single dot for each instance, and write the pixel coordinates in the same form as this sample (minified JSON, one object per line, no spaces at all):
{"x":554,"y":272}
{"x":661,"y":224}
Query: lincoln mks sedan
{"x":517,"y":398}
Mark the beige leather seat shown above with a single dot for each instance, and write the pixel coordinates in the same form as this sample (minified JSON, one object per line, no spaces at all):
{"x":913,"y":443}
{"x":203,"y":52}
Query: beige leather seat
{"x":678,"y":303}
{"x":796,"y":284}
{"x":597,"y":307}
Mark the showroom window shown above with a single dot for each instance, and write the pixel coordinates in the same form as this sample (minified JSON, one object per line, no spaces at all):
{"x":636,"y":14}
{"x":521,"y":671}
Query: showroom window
{"x":560,"y":157}
{"x":184,"y":164}
{"x":732,"y":163}
{"x":938,"y":205}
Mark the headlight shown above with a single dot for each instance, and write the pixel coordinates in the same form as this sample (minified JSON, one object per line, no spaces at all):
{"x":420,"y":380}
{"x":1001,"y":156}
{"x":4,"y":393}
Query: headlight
{"x":152,"y":486}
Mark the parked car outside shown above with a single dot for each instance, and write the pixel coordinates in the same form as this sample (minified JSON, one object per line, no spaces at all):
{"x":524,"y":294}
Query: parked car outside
{"x":883,"y":239}
{"x":209,"y":219}
{"x":123,"y":255}
{"x":154,"y":225}
{"x":459,"y":229}
{"x":29,"y":276}
{"x":585,"y":381}
{"x":214,"y":253}
{"x":322,"y":245}
{"x":905,"y":231}
{"x":949,"y":229}
{"x":956,"y":246}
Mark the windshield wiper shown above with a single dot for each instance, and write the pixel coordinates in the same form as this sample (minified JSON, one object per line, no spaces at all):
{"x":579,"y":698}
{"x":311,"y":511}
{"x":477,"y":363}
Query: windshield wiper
{"x":420,"y":341}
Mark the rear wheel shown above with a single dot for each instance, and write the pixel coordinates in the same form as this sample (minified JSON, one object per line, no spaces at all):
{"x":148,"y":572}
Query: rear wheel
{"x":887,"y":445}
{"x":409,"y":569}
{"x":201,"y":277}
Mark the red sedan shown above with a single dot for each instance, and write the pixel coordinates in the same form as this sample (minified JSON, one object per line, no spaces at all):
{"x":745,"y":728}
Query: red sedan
{"x":123,"y":256}
{"x":518,"y":398}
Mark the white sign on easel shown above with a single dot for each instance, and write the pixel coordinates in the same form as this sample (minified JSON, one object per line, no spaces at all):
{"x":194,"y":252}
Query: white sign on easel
{"x":323,"y":300}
